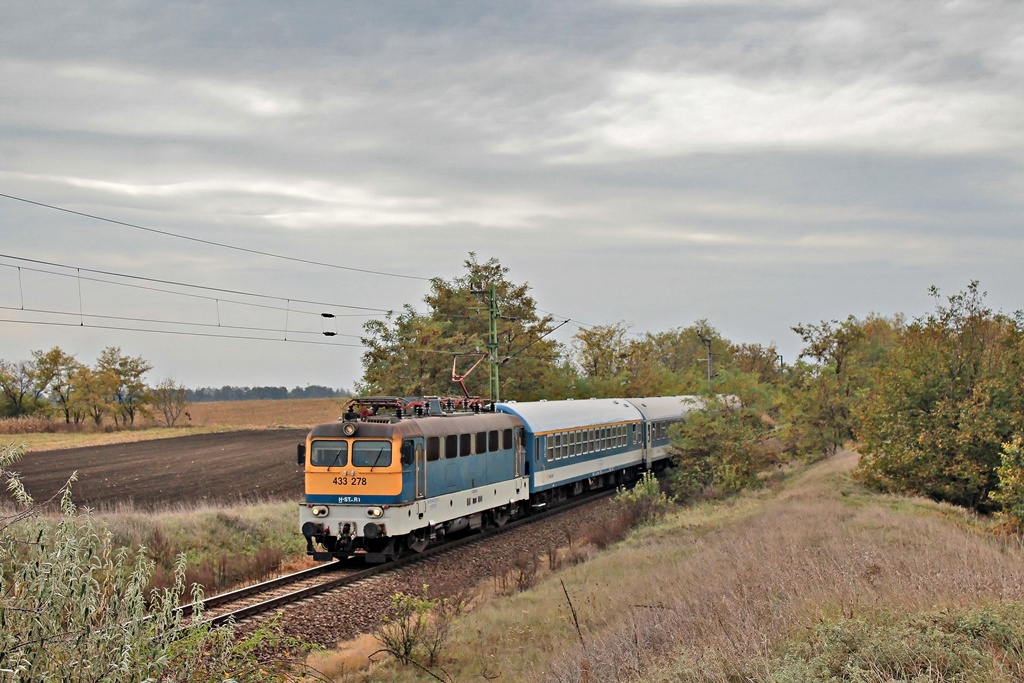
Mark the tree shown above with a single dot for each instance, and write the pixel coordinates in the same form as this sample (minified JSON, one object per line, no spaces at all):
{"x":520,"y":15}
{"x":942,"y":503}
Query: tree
{"x":16,"y":382}
{"x":726,"y":446}
{"x":411,"y":353}
{"x":91,"y":394}
{"x":600,"y":354}
{"x":55,"y":370}
{"x":123,"y":375}
{"x":947,"y":397}
{"x":171,"y":399}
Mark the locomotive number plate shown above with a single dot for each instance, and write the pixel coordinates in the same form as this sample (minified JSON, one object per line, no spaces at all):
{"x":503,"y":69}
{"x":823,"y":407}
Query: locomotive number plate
{"x":349,"y":481}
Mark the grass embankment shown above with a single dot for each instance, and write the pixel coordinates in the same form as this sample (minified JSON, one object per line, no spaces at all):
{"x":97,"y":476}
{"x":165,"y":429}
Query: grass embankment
{"x":202,"y":418}
{"x":818,"y":580}
{"x":225,"y":546}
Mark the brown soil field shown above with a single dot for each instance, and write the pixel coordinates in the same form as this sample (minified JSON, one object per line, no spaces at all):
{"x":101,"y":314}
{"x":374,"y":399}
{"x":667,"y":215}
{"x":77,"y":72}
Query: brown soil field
{"x":189,"y":470}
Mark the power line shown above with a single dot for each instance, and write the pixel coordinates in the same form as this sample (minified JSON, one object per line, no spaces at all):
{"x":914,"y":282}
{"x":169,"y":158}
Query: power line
{"x":176,"y":332}
{"x":179,"y":284}
{"x":247,"y":250}
{"x":172,"y":322}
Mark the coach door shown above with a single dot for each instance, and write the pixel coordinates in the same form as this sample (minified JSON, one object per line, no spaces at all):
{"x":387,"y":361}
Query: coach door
{"x":421,"y":471}
{"x":517,"y":439}
{"x":648,"y":442}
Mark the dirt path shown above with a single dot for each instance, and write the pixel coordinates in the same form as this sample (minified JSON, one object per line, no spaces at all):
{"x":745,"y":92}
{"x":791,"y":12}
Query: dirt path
{"x":216,"y":468}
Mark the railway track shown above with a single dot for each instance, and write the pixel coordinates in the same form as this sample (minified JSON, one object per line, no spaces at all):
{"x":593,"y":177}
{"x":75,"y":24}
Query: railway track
{"x":251,"y":601}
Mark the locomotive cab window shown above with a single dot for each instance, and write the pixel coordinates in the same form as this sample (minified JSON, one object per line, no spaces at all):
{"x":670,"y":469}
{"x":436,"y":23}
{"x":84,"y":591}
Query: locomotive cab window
{"x":329,"y":454}
{"x":371,"y":453}
{"x":408,"y":452}
{"x":506,"y":439}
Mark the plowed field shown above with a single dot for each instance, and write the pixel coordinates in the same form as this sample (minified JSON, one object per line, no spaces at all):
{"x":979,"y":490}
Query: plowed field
{"x":214,"y":468}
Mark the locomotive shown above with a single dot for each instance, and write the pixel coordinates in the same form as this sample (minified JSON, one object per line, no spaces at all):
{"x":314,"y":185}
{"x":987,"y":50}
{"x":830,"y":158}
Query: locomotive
{"x":407,"y":472}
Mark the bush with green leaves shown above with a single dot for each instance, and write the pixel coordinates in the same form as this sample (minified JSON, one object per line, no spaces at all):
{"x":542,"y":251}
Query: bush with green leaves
{"x":73,"y":604}
{"x":1009,"y":493}
{"x":726,"y":446}
{"x":418,"y":625}
{"x":644,"y":503}
{"x":948,"y":396}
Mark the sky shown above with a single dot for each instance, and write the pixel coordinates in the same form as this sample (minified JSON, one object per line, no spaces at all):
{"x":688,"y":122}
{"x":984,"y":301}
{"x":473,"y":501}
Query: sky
{"x":248,"y":166}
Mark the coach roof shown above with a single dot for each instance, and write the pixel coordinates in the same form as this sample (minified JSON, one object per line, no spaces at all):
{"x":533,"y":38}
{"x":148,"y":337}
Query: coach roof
{"x":553,"y":416}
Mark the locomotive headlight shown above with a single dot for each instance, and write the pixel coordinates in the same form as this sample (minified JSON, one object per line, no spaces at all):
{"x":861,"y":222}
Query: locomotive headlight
{"x":320,"y":510}
{"x":375,"y":512}
{"x":348,"y":429}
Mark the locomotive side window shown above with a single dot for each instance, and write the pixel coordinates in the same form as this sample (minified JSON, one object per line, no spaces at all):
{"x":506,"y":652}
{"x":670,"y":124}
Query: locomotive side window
{"x":465,"y":444}
{"x":329,"y":454}
{"x":408,"y":452}
{"x":371,"y":453}
{"x":451,"y":446}
{"x":481,"y":442}
{"x":506,"y":439}
{"x":492,"y":441}
{"x":433,"y":448}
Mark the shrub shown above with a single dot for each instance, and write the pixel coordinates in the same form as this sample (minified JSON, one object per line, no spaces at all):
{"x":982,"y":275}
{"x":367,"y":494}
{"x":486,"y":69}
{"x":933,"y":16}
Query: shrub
{"x":644,"y":503}
{"x":76,"y":607}
{"x":418,"y":623}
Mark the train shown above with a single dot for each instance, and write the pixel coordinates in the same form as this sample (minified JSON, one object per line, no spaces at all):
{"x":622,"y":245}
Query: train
{"x":403,"y":473}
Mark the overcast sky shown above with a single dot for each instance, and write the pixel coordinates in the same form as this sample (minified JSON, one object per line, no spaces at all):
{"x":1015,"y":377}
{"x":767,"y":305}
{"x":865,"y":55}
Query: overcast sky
{"x":757,"y":164}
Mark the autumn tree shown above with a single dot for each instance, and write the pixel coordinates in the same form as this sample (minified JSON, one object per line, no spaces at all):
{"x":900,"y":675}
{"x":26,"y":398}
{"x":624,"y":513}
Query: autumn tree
{"x":122,"y":376}
{"x":55,"y":371}
{"x":91,"y":395}
{"x":948,"y":395}
{"x":17,"y":380}
{"x":600,"y":354}
{"x":411,"y":353}
{"x":727,"y":445}
{"x":171,"y":399}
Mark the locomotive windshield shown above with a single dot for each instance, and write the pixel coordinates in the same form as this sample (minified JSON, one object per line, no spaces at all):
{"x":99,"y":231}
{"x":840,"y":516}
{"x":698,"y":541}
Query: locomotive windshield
{"x":371,"y":453}
{"x":329,"y":454}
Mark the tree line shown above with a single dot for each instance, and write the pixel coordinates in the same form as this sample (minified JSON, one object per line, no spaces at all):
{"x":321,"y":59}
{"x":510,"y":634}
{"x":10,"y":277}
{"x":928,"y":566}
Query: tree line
{"x":229,"y":393}
{"x":55,"y":383}
{"x":935,"y":405}
{"x":113,"y":388}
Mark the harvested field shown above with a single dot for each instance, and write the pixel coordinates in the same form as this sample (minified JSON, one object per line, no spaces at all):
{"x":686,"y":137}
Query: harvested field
{"x":203,"y":468}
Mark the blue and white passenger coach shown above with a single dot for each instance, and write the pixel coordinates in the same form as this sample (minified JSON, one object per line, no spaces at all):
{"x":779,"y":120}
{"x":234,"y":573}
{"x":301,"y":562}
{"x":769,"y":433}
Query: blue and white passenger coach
{"x":573,"y":446}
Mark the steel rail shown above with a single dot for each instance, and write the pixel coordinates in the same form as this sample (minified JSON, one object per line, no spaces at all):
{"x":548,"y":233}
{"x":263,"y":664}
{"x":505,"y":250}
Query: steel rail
{"x":349,"y":579}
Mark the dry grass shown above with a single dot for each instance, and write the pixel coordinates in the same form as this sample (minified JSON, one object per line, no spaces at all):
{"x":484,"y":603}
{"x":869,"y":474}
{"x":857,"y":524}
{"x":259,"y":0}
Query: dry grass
{"x":202,"y":418}
{"x":722,"y":592}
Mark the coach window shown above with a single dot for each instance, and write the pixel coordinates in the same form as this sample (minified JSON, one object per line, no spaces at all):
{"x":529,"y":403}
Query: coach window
{"x":492,"y":441}
{"x":465,"y":444}
{"x":506,"y":439}
{"x":433,"y":448}
{"x":551,"y":447}
{"x":451,"y":446}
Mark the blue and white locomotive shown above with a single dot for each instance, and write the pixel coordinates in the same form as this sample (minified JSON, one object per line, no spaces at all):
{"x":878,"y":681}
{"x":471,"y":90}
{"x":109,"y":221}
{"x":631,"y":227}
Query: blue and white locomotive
{"x":379,"y":485}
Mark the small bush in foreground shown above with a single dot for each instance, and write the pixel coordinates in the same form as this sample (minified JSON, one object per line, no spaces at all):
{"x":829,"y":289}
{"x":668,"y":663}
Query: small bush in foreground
{"x":418,"y":624}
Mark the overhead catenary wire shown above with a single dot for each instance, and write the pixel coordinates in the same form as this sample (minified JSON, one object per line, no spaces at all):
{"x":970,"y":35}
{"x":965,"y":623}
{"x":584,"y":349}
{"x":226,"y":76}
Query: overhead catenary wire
{"x":222,"y":245}
{"x":79,"y":269}
{"x":179,"y":332}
